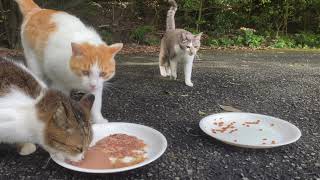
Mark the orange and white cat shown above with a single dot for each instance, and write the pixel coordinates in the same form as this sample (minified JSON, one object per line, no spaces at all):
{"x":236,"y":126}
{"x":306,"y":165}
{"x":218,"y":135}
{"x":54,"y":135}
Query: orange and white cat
{"x":60,"y":49}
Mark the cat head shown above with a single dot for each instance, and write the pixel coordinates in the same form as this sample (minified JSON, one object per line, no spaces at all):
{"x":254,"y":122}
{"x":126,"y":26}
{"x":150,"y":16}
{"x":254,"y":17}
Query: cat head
{"x":67,"y":133}
{"x":190,"y":43}
{"x":94,"y":64}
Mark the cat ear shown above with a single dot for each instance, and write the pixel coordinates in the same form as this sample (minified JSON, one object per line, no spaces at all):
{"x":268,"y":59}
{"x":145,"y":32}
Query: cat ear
{"x":115,"y":48}
{"x":198,"y":36}
{"x":76,"y":49}
{"x":183,"y":36}
{"x":87,"y":101}
{"x":60,"y":116}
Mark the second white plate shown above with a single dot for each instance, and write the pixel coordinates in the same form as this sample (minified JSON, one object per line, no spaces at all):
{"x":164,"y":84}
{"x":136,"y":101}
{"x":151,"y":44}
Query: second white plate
{"x":250,"y":130}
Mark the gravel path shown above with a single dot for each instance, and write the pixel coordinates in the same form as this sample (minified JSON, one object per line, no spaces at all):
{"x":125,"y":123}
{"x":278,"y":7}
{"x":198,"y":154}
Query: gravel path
{"x":281,"y":84}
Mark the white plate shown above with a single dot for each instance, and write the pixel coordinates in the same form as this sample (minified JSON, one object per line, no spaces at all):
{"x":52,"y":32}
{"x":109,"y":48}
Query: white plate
{"x":268,"y":132}
{"x":156,"y":144}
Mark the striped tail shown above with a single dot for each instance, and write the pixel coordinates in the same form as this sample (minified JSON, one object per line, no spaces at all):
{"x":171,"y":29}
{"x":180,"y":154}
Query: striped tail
{"x":171,"y":25}
{"x":27,"y":6}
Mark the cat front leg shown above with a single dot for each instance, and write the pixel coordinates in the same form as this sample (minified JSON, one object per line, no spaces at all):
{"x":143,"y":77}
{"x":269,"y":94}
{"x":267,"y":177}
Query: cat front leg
{"x":25,"y":149}
{"x":173,"y":68}
{"x":96,"y":108}
{"x":188,"y":71}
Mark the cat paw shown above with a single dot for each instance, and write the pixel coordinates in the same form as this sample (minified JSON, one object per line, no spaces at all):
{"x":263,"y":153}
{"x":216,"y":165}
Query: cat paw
{"x":173,"y":77}
{"x":163,"y":71}
{"x":27,"y":148}
{"x":190,"y":84}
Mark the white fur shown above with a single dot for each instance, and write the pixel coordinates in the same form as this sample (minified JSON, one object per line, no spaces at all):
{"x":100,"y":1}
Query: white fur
{"x":19,"y":122}
{"x":187,"y":57}
{"x":57,"y":54}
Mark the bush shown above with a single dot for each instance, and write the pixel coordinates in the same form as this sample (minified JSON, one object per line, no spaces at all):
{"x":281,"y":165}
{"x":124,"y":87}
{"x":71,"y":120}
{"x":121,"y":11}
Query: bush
{"x":251,"y":39}
{"x":306,"y":40}
{"x":140,"y":33}
{"x":284,"y":42}
{"x":226,"y":42}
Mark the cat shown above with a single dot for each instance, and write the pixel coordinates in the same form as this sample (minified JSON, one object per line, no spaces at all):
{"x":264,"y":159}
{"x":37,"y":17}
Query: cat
{"x":177,"y":45}
{"x":30,"y":113}
{"x":60,"y":49}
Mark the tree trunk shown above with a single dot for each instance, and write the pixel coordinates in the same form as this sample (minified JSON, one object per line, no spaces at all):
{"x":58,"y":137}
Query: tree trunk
{"x":199,"y":16}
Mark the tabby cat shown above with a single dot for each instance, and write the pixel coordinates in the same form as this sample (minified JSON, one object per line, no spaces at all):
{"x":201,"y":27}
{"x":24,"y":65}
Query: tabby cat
{"x":177,"y":45}
{"x":60,"y":49}
{"x":30,"y":113}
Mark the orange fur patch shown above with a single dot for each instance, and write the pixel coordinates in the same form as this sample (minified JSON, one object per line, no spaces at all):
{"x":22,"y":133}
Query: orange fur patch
{"x":27,"y":6}
{"x":38,"y":29}
{"x":102,"y":55}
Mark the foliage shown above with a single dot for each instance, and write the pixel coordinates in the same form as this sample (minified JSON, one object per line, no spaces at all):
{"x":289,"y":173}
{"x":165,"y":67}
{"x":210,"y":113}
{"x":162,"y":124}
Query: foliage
{"x":140,"y":34}
{"x":280,"y":24}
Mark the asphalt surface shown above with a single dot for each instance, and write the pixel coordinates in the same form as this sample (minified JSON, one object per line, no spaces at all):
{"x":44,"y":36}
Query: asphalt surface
{"x":281,"y":84}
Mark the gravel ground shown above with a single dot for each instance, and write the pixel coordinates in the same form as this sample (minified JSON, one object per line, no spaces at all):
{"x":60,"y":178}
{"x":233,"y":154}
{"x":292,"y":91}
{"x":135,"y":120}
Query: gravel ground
{"x":281,"y":84}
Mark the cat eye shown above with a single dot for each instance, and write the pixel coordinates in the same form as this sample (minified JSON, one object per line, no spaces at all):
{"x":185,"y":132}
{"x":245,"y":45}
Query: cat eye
{"x":188,"y":47}
{"x":86,"y":73}
{"x":103,"y":74}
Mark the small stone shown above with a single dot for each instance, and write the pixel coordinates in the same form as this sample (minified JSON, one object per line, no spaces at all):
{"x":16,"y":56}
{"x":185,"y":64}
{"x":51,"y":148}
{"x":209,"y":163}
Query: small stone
{"x":317,"y":164}
{"x":149,"y":174}
{"x":177,"y":178}
{"x":190,"y":172}
{"x":245,"y":178}
{"x":285,"y":157}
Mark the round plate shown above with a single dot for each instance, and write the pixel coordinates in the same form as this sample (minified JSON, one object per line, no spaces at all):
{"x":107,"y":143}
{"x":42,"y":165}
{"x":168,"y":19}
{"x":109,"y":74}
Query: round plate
{"x":155,"y":141}
{"x":250,"y":130}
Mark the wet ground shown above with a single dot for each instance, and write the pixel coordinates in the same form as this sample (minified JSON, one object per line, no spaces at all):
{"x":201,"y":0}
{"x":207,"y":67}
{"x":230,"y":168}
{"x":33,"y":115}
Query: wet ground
{"x":281,"y":84}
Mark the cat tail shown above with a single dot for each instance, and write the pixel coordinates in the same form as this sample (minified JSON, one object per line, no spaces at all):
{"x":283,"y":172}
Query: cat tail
{"x":27,"y":6}
{"x":171,"y":25}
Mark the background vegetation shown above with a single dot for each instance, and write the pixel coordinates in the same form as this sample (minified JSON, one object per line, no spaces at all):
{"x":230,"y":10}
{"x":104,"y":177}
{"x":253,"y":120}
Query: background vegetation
{"x":244,"y":23}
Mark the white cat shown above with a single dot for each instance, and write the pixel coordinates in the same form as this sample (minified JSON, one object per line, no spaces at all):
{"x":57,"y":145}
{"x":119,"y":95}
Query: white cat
{"x":177,"y":45}
{"x":59,"y":48}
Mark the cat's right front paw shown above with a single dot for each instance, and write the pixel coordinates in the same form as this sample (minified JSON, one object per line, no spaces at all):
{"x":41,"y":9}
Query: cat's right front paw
{"x":189,"y":83}
{"x":26,"y":149}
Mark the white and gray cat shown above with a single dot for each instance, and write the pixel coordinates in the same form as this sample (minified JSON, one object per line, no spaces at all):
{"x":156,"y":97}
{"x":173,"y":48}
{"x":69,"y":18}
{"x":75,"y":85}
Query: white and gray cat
{"x":30,"y":113}
{"x":177,"y":45}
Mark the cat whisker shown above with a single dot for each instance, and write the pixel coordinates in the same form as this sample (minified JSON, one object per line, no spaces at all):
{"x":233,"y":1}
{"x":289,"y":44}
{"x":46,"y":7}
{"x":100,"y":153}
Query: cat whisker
{"x":47,"y":163}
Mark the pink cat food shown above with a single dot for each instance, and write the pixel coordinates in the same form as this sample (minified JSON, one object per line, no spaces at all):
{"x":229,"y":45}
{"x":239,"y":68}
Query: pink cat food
{"x":114,"y":151}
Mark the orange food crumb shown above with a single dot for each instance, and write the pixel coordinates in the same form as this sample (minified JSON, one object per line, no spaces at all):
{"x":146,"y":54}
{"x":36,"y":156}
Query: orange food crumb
{"x":223,"y":129}
{"x":252,"y":122}
{"x":273,"y":142}
{"x":233,"y":130}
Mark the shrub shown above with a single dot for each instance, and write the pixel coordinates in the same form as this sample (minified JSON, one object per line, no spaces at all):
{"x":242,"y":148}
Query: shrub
{"x":284,"y":42}
{"x":251,"y":39}
{"x":226,"y":42}
{"x":305,"y":40}
{"x":140,"y":33}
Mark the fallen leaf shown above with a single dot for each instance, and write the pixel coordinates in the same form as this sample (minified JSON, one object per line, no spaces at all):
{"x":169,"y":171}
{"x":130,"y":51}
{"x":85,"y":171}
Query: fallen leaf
{"x":229,"y":108}
{"x":202,"y":113}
